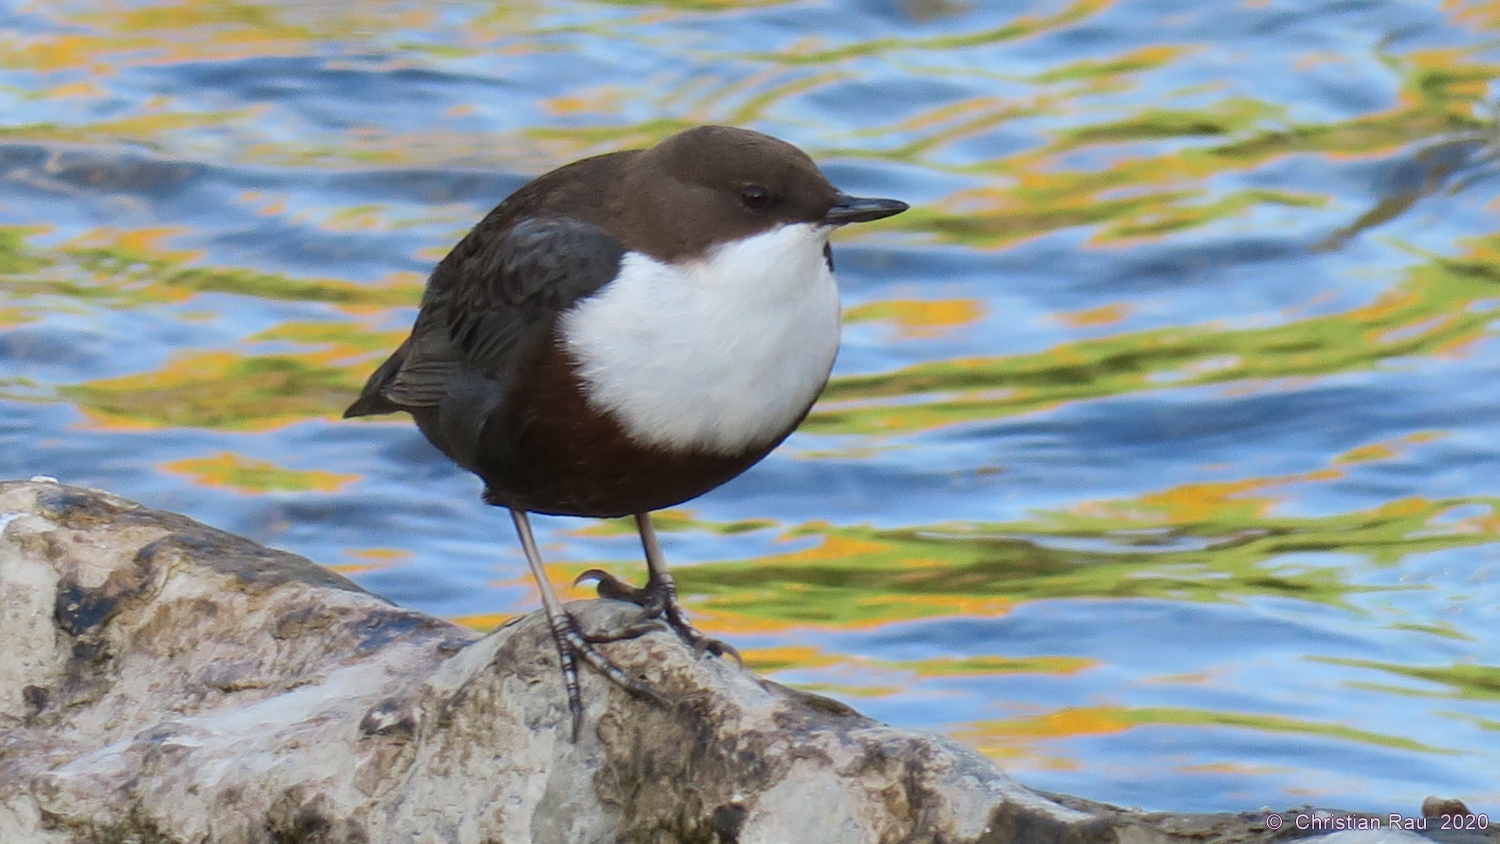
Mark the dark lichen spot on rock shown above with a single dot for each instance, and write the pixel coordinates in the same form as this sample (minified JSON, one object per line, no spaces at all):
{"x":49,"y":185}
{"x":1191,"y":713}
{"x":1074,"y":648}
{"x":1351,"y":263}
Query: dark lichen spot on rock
{"x":88,"y":653}
{"x":728,"y":820}
{"x":301,"y":621}
{"x":389,"y":718}
{"x":79,"y":611}
{"x":87,"y":674}
{"x":76,"y":507}
{"x":50,"y":820}
{"x":292,"y":819}
{"x":156,"y":735}
{"x":305,"y":828}
{"x":36,"y":699}
{"x":47,"y":546}
{"x":380,"y":628}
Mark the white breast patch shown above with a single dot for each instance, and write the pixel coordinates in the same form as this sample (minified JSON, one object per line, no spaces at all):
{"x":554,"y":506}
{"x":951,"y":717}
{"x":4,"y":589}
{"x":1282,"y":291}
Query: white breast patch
{"x":718,"y":354}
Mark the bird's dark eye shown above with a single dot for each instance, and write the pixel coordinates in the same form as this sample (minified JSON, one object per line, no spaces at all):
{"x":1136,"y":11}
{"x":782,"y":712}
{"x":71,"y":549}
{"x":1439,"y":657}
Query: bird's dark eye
{"x":755,"y":197}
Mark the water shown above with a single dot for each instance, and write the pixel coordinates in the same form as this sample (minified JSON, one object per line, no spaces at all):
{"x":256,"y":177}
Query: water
{"x":1162,"y":459}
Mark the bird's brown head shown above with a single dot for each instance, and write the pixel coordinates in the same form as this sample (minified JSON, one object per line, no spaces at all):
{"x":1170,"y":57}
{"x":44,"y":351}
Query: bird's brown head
{"x":713,"y":184}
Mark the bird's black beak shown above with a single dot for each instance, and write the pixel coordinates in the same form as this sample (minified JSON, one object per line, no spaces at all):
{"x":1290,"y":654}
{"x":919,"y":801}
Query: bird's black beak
{"x":859,"y":209}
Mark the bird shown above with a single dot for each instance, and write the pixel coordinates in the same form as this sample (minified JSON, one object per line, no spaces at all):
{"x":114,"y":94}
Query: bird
{"x":625,"y":333}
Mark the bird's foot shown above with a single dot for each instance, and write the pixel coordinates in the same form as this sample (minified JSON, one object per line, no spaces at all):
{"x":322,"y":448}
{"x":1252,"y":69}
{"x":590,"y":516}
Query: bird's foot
{"x":658,"y":600}
{"x":573,"y":645}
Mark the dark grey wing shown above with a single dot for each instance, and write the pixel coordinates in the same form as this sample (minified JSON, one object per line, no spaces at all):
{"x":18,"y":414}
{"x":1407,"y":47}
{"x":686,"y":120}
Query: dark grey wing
{"x":538,"y":269}
{"x":488,"y":303}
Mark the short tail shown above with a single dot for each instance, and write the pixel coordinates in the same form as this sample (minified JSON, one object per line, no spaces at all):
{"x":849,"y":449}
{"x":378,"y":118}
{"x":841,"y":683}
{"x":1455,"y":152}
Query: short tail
{"x":372,"y":398}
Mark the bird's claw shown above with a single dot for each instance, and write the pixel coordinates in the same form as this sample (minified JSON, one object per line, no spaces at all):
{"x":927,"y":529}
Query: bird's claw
{"x":717,"y":647}
{"x":573,"y":645}
{"x":612,"y":587}
{"x":658,"y":601}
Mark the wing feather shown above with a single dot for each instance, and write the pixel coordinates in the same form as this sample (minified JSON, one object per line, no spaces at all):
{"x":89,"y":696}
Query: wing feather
{"x":488,"y":304}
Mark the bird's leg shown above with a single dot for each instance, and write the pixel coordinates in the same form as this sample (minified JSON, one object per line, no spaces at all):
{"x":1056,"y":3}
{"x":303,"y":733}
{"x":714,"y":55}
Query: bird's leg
{"x":571,"y":644}
{"x":661,"y":591}
{"x":659,"y":597}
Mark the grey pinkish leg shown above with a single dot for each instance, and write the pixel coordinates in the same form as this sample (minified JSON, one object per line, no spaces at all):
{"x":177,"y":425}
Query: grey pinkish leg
{"x":572,"y":645}
{"x":661,"y":591}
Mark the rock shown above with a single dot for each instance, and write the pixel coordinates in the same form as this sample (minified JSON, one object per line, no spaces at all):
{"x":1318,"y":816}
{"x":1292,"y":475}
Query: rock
{"x":163,"y":681}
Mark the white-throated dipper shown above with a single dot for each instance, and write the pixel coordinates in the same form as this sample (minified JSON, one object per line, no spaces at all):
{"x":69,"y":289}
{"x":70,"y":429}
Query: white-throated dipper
{"x":623,"y":334}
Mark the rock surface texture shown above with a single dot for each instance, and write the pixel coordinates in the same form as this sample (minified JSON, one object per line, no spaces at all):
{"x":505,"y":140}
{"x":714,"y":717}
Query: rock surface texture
{"x":162,"y":681}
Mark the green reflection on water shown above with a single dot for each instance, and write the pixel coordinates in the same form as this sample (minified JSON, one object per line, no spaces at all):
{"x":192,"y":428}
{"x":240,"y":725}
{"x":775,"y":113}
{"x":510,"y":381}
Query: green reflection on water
{"x":15,"y":258}
{"x":1439,"y":91}
{"x":1201,"y":542}
{"x":120,"y":269}
{"x":216,"y":390}
{"x":93,"y":38}
{"x":1466,"y":681}
{"x":1438,"y":310}
{"x":1022,"y":27}
{"x":1204,"y":543}
{"x":803,"y":656}
{"x":242,"y":474}
{"x":1131,"y":196}
{"x":697,"y":5}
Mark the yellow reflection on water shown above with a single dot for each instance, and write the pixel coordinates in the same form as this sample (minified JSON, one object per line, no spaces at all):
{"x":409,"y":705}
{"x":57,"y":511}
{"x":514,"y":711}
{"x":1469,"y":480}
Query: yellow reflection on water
{"x":1012,"y":737}
{"x":112,"y":34}
{"x":371,"y":559}
{"x":1437,"y":310}
{"x":242,"y":474}
{"x":219,"y":390}
{"x":919,"y":318}
{"x":485,"y":622}
{"x":1389,"y":450}
{"x":123,"y":268}
{"x":1206,"y":541}
{"x":1103,"y":315}
{"x":899,"y":674}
